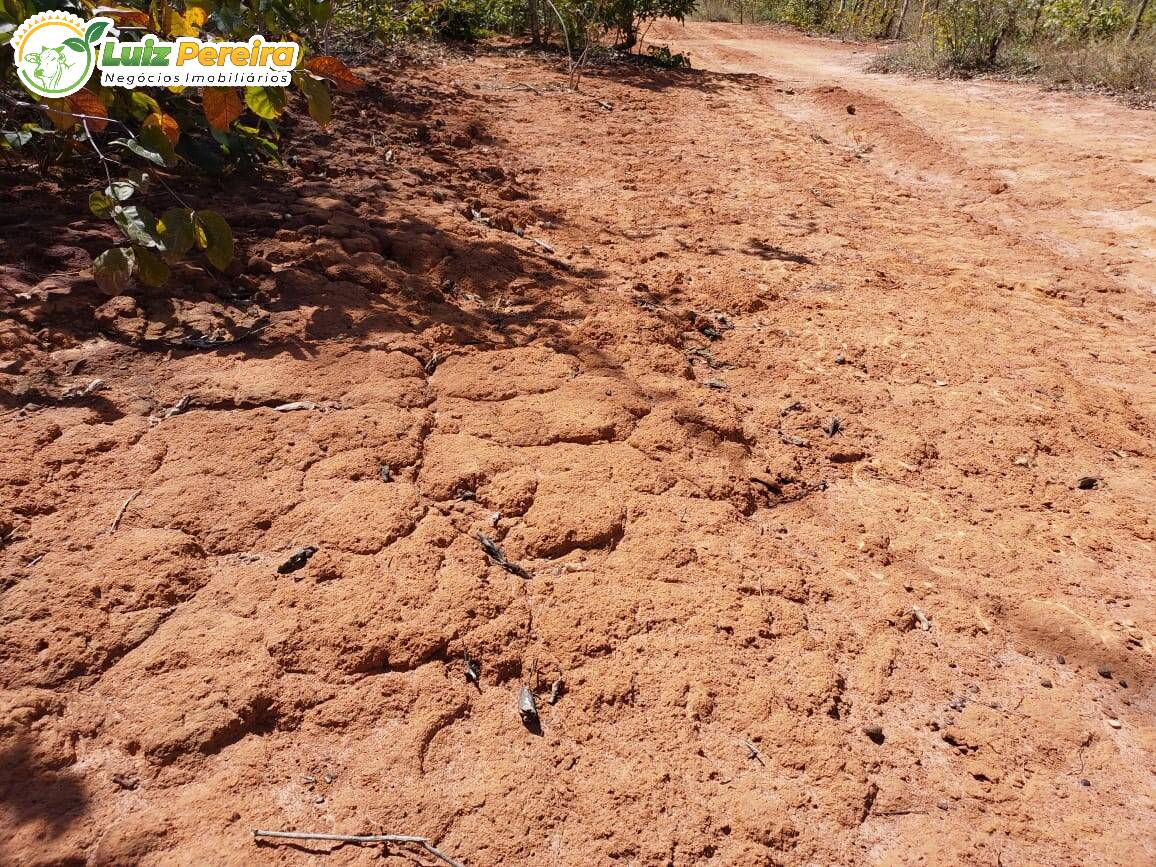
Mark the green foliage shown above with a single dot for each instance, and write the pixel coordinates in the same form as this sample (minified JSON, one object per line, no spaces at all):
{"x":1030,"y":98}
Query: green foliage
{"x":628,"y":16}
{"x":1102,"y":42}
{"x":154,"y":244}
{"x":663,"y":56}
{"x":1070,"y":21}
{"x":458,"y":20}
{"x":968,"y":33}
{"x":168,"y":130}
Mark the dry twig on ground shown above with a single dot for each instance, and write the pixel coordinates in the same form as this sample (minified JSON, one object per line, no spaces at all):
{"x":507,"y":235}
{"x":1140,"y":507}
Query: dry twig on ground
{"x":363,"y":838}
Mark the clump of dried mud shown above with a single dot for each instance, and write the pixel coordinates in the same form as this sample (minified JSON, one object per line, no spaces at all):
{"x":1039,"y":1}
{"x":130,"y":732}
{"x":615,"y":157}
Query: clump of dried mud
{"x":739,"y":404}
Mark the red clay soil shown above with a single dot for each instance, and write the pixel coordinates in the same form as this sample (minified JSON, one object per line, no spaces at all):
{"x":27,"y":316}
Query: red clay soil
{"x":825,"y":439}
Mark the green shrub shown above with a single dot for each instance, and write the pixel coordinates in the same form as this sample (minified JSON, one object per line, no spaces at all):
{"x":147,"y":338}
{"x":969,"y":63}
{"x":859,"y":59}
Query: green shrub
{"x":151,"y":132}
{"x":663,"y":56}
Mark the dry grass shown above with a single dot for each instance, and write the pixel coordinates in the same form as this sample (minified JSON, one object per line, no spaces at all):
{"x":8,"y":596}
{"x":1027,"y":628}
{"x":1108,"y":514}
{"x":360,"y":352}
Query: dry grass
{"x":1126,"y":68}
{"x":1117,"y":66}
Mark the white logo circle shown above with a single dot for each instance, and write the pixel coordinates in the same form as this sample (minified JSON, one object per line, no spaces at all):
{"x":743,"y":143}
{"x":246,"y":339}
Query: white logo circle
{"x":54,"y":55}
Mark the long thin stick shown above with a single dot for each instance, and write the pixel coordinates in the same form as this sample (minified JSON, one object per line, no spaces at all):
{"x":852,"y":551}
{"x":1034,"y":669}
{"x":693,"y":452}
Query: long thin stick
{"x":363,"y":838}
{"x":116,"y":521}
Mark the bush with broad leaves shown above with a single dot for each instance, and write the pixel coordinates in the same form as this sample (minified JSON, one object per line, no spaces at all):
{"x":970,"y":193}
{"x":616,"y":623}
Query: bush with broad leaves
{"x":151,"y":135}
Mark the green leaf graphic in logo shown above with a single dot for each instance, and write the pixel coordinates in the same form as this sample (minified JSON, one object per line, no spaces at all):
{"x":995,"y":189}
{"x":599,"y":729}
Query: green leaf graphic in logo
{"x":96,"y":30}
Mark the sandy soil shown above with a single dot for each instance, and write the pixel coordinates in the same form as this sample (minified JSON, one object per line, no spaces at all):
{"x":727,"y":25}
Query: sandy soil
{"x":616,"y":339}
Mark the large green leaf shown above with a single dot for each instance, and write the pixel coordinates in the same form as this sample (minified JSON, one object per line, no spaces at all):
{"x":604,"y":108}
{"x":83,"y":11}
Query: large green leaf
{"x":101,"y":204}
{"x":137,"y":223}
{"x":265,"y":102}
{"x":154,"y":138}
{"x":177,"y":232}
{"x":142,"y":105}
{"x":317,"y":95}
{"x":120,"y":191}
{"x":214,"y":237}
{"x":140,"y":150}
{"x":150,"y":268}
{"x":112,"y":269}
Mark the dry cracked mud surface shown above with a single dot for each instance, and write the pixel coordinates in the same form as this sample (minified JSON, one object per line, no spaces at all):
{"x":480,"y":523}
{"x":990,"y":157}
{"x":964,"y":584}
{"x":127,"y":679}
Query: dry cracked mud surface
{"x":825,"y":439}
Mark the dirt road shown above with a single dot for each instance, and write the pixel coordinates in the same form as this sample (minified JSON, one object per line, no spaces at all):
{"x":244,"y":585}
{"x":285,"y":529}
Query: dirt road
{"x":825,"y":439}
{"x":1071,"y":173}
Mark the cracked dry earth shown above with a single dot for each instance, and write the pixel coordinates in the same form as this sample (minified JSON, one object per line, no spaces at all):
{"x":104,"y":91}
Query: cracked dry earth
{"x":640,"y":414}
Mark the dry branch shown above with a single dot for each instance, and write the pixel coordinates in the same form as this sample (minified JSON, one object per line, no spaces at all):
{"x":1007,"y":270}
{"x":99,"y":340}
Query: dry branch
{"x":116,"y":521}
{"x":363,"y":838}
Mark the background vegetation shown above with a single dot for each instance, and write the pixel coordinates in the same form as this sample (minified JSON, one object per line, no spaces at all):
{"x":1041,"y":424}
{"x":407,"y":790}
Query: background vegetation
{"x":142,"y":142}
{"x":1102,"y":43}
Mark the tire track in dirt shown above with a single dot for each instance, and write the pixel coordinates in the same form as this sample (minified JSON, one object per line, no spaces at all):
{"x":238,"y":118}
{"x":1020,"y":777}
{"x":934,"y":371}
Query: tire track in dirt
{"x":1072,"y":173}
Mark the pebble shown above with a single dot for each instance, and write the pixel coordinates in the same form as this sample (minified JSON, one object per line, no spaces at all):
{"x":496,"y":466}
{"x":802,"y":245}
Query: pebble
{"x":1115,"y":723}
{"x":875,"y":733}
{"x":297,"y":560}
{"x":1046,"y":683}
{"x":1104,"y":671}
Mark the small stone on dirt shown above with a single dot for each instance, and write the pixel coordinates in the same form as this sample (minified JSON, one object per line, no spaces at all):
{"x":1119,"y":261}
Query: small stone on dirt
{"x":1087,"y":483}
{"x":297,"y":560}
{"x":473,"y":670}
{"x":527,"y":707}
{"x":846,"y":455}
{"x":875,"y":733}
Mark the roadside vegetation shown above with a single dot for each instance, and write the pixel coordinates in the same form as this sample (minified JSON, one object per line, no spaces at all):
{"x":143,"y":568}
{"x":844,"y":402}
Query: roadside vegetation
{"x":1103,"y":44}
{"x":573,"y":24}
{"x":141,"y":147}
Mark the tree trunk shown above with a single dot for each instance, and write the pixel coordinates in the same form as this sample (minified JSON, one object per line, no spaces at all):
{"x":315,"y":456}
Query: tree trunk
{"x":534,"y":22}
{"x":899,"y":20}
{"x":1005,"y":34}
{"x":1135,"y":31}
{"x":629,"y":28}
